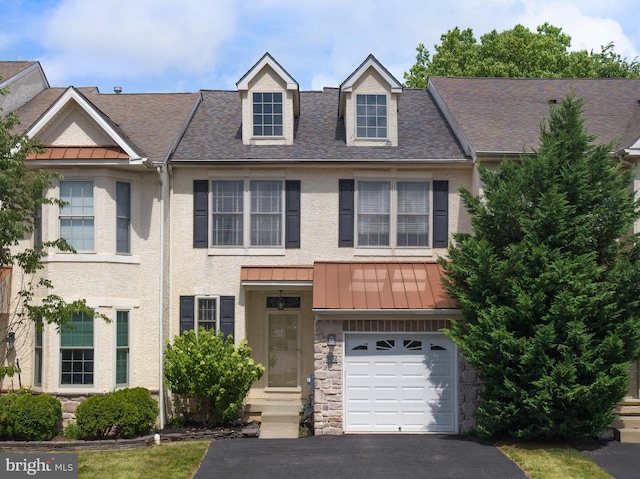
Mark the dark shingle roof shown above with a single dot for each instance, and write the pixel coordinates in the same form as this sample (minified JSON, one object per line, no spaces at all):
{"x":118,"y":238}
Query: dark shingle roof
{"x":150,"y":121}
{"x":503,"y":115}
{"x":215,"y":132}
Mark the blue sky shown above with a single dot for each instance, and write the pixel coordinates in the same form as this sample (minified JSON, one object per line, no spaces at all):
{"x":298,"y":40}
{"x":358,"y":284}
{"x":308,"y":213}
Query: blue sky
{"x":187,"y":45}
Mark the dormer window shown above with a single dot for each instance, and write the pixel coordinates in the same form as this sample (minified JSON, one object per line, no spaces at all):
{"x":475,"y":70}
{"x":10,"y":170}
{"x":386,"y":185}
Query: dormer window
{"x":368,"y":102}
{"x":267,"y":114}
{"x":270,"y":103}
{"x":371,"y":116}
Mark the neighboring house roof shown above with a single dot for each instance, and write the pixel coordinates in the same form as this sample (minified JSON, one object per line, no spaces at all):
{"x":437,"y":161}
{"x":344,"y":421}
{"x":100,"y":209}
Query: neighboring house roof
{"x":150,"y":122}
{"x":10,"y":69}
{"x":215,"y":132}
{"x":503,"y":115}
{"x":379,"y":286}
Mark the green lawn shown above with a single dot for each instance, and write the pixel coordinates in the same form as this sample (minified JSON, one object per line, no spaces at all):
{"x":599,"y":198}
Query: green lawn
{"x":169,"y":460}
{"x":552,"y":461}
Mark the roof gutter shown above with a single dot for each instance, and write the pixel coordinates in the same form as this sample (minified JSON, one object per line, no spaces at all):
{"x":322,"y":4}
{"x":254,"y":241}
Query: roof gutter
{"x":321,"y":311}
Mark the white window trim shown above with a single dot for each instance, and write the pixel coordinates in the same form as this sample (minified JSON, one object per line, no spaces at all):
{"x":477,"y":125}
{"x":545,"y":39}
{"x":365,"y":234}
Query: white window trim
{"x":394,"y":177}
{"x":261,"y":138}
{"x":115,"y":347}
{"x":75,"y":388}
{"x":95,"y":203}
{"x":196,"y":314}
{"x":381,"y":139}
{"x":246,"y":249}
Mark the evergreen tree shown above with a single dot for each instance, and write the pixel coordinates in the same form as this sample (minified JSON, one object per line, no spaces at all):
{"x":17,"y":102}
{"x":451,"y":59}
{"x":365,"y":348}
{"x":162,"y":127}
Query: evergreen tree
{"x":549,"y":285}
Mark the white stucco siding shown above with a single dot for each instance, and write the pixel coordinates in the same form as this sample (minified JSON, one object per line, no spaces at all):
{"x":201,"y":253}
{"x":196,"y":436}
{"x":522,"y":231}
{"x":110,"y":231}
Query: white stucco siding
{"x":267,"y":81}
{"x":108,"y":282}
{"x":73,"y":126}
{"x":212,"y":271}
{"x":371,"y":83}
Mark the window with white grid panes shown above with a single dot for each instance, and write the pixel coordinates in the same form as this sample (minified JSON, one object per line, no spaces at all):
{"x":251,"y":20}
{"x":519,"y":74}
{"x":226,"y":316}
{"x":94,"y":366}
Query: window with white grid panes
{"x":77,"y":216}
{"x":267,"y":114}
{"x":393,"y":213}
{"x":207,"y":314}
{"x":371,"y":116}
{"x":76,"y":351}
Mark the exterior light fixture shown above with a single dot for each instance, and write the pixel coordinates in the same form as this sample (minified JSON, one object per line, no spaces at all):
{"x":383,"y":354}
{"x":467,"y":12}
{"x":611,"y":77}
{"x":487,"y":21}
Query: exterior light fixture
{"x":280,"y":302}
{"x":10,"y":340}
{"x":331,"y":340}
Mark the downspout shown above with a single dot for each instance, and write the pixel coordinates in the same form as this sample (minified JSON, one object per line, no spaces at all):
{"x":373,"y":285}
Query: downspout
{"x":162,"y":174}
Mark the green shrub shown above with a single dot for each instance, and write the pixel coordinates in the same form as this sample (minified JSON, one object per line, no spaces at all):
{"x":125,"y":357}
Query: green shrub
{"x":123,"y":414}
{"x":29,"y":417}
{"x":72,"y":432}
{"x":209,"y":368}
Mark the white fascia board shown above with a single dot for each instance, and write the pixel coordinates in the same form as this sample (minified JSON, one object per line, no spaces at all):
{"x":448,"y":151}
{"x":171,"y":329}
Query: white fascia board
{"x":347,"y":86}
{"x":72,"y":94}
{"x":267,"y":59}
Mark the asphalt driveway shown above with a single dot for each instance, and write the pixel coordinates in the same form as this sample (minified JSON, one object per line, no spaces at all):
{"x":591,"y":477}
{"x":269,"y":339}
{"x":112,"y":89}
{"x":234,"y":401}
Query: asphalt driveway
{"x":357,"y":456}
{"x":622,"y":461}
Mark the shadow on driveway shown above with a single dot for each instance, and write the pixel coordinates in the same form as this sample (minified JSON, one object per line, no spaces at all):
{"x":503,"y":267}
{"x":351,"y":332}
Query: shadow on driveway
{"x":357,"y":456}
{"x":622,"y":461}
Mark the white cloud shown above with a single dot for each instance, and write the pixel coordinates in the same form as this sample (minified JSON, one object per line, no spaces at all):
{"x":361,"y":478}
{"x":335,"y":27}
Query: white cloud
{"x":122,"y":39}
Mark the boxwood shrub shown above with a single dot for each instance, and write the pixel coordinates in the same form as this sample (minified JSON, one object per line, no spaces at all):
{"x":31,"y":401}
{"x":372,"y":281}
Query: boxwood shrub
{"x":25,"y":416}
{"x":124,"y":413}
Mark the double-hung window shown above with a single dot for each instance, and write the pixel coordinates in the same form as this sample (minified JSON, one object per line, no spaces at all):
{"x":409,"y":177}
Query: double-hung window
{"x":393,"y":213}
{"x":76,"y":351}
{"x":371,"y":116}
{"x":207,"y":314}
{"x":247,"y":213}
{"x":37,"y":359}
{"x":123,"y":217}
{"x":267,"y":114}
{"x":122,"y":348}
{"x":77,"y":216}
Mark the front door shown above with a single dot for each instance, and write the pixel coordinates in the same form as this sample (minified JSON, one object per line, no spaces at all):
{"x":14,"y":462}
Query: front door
{"x":283,"y":350}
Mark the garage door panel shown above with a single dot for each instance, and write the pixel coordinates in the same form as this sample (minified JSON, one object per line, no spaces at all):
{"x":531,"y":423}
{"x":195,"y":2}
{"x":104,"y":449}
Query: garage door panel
{"x":399,"y":384}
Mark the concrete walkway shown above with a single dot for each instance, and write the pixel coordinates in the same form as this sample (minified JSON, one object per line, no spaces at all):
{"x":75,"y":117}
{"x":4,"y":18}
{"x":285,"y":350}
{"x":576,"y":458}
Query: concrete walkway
{"x":357,"y":456}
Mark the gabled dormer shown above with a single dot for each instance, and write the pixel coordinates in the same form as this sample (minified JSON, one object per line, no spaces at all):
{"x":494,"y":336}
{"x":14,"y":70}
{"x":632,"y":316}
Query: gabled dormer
{"x":74,"y":129}
{"x":369,"y":105}
{"x":270,"y":103}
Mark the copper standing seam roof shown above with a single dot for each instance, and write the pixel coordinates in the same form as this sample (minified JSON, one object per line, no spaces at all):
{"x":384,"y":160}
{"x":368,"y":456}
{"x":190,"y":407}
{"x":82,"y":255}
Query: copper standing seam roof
{"x":80,"y":153}
{"x":375,"y":286}
{"x":361,"y":286}
{"x":276,"y":273}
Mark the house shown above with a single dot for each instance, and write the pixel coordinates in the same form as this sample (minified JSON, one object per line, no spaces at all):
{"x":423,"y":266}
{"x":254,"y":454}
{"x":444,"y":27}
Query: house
{"x":109,"y":150}
{"x":22,"y":81}
{"x":307,"y":222}
{"x":311,"y":221}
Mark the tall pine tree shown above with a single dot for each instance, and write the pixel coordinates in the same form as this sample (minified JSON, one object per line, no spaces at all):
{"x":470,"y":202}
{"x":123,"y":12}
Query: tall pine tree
{"x":549,"y":285}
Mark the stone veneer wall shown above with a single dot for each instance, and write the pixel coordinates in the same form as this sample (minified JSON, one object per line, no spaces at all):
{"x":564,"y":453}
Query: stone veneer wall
{"x":328,"y":398}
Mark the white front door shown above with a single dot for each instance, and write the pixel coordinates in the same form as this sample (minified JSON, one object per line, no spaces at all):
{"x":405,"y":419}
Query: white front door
{"x":399,"y":383}
{"x":283,"y":350}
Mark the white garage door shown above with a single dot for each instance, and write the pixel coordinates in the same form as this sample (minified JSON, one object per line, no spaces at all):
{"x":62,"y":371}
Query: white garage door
{"x":399,"y":383}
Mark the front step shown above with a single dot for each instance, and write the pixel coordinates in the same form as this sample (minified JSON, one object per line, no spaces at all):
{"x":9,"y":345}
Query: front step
{"x":627,"y":422}
{"x":628,"y":435}
{"x":279,"y":425}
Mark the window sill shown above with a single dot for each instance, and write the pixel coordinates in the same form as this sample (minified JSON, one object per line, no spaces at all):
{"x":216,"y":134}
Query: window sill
{"x":90,"y":258}
{"x":278,"y":251}
{"x":272,"y":389}
{"x":393,"y":252}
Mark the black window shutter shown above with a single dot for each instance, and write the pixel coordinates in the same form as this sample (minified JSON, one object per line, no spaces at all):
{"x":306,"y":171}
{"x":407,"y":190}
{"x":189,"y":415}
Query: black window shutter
{"x":187,"y":313}
{"x":440,"y":214}
{"x":346,"y":215}
{"x":292,"y":206}
{"x":200,"y":213}
{"x":227,"y":314}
